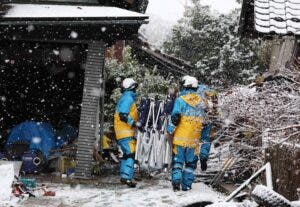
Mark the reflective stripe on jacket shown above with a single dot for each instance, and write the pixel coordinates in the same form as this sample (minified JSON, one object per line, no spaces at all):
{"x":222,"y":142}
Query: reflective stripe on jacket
{"x":126,"y":104}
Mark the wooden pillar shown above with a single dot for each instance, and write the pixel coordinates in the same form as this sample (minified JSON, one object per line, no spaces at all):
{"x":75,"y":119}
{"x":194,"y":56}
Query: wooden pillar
{"x":282,"y":53}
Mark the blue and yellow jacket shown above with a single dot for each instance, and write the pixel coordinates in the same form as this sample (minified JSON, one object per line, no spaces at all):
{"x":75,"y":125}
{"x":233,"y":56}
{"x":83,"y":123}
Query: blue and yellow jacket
{"x":126,"y":105}
{"x":203,"y":90}
{"x":190,"y":108}
{"x":207,"y":94}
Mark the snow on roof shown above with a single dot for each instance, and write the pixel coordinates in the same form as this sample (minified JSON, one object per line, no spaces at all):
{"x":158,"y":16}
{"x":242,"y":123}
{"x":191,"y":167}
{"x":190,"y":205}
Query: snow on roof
{"x":67,"y":11}
{"x":279,"y":16}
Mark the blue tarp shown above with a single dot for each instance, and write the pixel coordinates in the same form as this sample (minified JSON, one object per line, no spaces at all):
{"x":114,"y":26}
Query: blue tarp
{"x":39,"y":136}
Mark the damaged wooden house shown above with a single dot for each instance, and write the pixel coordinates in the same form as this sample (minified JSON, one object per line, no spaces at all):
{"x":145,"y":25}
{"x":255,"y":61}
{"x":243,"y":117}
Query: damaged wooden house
{"x":279,"y":22}
{"x":52,"y":56}
{"x":52,"y":71}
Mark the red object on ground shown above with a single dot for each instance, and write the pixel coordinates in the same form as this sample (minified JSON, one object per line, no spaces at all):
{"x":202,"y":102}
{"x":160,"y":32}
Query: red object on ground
{"x":17,"y":192}
{"x":48,"y":193}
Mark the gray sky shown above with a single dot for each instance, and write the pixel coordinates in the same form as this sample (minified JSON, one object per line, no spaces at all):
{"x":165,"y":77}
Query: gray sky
{"x":172,"y":10}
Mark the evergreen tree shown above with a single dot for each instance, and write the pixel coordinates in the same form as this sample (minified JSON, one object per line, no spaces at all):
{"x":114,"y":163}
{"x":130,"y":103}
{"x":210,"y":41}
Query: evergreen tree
{"x":151,"y":84}
{"x":212,"y":45}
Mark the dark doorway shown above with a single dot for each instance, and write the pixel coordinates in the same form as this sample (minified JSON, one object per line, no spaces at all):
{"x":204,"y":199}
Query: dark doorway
{"x":41,"y":82}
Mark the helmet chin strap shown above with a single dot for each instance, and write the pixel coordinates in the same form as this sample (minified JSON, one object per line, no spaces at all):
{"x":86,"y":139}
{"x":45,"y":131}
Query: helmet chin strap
{"x":190,"y":88}
{"x":123,"y":90}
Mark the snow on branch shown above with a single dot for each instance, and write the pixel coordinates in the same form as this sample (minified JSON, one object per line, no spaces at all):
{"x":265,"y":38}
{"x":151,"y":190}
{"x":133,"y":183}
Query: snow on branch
{"x":284,"y":128}
{"x":254,"y":117}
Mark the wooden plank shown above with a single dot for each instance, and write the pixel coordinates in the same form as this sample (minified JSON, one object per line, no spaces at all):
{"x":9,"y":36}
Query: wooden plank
{"x":285,"y":163}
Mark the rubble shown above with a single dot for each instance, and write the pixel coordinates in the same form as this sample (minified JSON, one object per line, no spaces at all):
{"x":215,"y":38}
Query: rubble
{"x":254,"y":117}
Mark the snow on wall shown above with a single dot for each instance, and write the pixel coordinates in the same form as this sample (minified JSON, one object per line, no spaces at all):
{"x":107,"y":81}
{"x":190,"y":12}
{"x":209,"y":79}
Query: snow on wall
{"x":6,"y":179}
{"x":64,"y":11}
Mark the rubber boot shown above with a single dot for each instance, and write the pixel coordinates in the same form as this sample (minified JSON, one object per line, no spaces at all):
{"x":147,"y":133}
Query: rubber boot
{"x":128,"y":182}
{"x":176,"y":187}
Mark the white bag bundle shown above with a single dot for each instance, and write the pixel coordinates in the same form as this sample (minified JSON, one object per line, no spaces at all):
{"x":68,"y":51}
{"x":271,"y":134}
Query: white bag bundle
{"x":153,"y":149}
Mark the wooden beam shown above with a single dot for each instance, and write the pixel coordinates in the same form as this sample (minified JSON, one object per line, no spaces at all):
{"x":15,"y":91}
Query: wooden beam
{"x":282,"y":53}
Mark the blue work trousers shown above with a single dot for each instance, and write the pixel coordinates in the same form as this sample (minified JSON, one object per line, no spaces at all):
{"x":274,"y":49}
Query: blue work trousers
{"x":183,"y":166}
{"x":127,"y":163}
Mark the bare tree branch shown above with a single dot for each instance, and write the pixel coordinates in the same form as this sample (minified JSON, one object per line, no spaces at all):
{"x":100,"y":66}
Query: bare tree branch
{"x":284,"y":128}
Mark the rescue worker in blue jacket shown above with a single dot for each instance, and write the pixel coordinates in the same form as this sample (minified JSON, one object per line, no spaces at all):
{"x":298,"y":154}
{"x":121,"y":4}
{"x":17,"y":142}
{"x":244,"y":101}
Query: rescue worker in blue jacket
{"x":125,"y":119}
{"x":185,"y":126}
{"x":208,"y":95}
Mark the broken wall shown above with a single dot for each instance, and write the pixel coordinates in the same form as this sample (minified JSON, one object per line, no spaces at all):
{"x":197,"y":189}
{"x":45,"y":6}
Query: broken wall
{"x":285,"y":162}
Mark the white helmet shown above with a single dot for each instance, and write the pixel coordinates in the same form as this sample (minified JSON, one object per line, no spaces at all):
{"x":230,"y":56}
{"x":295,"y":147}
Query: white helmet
{"x":190,"y":82}
{"x":184,"y":78}
{"x":129,"y":84}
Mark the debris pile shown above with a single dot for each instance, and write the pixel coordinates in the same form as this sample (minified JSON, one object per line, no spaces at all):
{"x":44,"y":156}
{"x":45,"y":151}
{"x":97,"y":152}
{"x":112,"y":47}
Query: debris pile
{"x":255,"y":116}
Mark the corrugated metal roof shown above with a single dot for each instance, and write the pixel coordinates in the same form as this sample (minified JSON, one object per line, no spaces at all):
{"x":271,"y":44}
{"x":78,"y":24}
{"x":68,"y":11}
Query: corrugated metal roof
{"x":279,"y":16}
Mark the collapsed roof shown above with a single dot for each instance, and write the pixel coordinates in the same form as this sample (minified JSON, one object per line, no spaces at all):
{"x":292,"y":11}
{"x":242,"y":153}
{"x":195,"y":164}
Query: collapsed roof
{"x":165,"y":64}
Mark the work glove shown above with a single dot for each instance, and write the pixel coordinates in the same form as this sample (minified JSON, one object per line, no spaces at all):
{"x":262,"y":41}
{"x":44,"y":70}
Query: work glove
{"x":203,"y":163}
{"x":169,"y":137}
{"x":138,"y":125}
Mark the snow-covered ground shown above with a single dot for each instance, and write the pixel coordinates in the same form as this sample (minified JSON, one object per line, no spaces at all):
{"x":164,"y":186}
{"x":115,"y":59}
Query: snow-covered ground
{"x":145,"y":195}
{"x":149,"y":192}
{"x":158,"y":194}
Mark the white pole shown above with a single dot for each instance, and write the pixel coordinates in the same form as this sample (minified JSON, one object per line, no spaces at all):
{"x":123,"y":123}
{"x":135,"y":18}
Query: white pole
{"x":269,"y":176}
{"x":247,"y":182}
{"x":138,"y":147}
